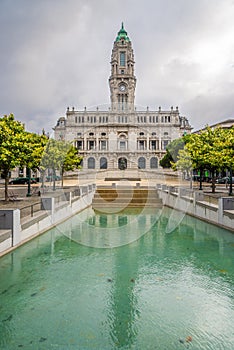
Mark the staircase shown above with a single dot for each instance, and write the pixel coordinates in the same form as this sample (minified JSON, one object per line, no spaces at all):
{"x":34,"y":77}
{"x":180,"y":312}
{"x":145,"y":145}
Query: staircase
{"x":125,"y":197}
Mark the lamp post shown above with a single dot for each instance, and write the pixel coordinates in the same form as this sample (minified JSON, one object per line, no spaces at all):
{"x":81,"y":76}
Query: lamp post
{"x":200,"y":180}
{"x":230,"y":187}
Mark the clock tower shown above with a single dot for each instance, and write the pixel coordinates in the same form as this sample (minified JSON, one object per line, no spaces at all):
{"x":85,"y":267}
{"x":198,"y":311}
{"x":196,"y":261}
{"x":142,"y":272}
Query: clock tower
{"x":122,"y":80}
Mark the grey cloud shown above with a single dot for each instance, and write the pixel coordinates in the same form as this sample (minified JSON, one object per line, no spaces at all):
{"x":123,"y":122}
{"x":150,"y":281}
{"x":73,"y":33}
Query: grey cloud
{"x":55,"y":54}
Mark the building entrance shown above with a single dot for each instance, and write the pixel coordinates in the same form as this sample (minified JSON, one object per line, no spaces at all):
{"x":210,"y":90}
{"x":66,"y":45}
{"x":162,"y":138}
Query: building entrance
{"x":122,"y":163}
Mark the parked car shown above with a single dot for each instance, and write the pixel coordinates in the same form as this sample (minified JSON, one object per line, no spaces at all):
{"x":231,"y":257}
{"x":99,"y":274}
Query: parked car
{"x":228,"y":181}
{"x":222,"y":180}
{"x":225,"y":180}
{"x":21,"y":181}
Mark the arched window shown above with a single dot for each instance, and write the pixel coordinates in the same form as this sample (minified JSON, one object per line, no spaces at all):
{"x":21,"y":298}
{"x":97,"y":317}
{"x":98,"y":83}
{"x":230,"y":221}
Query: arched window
{"x":103,"y":163}
{"x":91,"y":134}
{"x":153,"y":163}
{"x":141,"y":163}
{"x":91,"y":163}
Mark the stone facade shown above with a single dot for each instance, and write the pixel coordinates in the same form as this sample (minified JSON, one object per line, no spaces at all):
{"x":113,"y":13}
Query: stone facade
{"x":121,"y":137}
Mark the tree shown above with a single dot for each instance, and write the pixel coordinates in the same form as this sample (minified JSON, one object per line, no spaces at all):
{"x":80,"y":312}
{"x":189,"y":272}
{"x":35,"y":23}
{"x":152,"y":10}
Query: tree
{"x":206,"y":151}
{"x":228,"y":154}
{"x":60,"y":155}
{"x":172,"y":152}
{"x":71,"y":162}
{"x":12,"y":147}
{"x":184,"y":163}
{"x":34,"y":148}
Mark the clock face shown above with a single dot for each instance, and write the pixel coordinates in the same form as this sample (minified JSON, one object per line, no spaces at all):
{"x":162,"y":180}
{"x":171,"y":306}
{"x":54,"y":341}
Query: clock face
{"x":122,"y":87}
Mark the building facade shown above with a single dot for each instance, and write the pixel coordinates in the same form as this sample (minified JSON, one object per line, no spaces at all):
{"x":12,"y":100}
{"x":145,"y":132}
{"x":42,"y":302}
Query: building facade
{"x":121,"y":137}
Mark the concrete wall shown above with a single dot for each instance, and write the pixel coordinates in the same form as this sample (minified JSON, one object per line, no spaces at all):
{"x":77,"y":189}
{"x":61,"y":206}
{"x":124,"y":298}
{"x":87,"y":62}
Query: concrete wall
{"x":49,"y":216}
{"x":196,"y":204}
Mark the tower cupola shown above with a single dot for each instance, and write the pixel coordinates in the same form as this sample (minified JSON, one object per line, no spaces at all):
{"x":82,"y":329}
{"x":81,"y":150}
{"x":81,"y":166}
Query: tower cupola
{"x":122,"y":34}
{"x":122,"y":81}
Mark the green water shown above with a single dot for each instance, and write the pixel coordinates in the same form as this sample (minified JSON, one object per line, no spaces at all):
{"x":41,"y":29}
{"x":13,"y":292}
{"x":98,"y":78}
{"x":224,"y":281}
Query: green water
{"x":103,"y":293}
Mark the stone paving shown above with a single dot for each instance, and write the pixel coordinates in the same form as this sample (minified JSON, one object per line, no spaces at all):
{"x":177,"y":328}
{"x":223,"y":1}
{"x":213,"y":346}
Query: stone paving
{"x":20,"y":200}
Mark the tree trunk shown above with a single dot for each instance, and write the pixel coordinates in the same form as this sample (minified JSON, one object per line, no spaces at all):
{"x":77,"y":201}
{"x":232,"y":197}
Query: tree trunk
{"x":54,"y":187}
{"x":213,"y":181}
{"x":201,"y":174}
{"x":6,"y":186}
{"x":62,"y":172}
{"x":190,"y":174}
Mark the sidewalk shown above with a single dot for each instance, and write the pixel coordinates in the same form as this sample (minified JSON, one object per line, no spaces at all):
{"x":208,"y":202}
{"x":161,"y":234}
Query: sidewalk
{"x":22,"y":200}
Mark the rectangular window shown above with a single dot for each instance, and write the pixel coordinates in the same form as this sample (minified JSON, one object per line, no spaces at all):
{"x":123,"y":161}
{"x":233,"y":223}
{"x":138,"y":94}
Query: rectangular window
{"x":122,"y":145}
{"x":141,"y":145}
{"x":153,"y":144}
{"x":103,"y":145}
{"x":122,"y":58}
{"x":165,"y":143}
{"x":91,"y":144}
{"x":79,"y":144}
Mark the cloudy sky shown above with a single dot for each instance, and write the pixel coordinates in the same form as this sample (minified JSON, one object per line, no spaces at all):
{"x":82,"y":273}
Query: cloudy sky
{"x":56,"y":53}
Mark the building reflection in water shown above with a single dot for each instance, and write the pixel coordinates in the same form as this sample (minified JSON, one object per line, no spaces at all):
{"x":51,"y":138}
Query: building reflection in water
{"x":123,"y":309}
{"x":109,"y":230}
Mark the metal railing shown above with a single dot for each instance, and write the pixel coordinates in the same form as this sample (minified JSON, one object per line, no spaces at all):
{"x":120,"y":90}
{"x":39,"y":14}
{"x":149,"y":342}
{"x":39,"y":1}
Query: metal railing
{"x":30,"y":210}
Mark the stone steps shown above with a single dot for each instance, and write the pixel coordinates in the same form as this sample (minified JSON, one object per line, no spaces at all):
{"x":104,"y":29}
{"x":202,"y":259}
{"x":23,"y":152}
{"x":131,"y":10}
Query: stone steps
{"x":126,"y":198}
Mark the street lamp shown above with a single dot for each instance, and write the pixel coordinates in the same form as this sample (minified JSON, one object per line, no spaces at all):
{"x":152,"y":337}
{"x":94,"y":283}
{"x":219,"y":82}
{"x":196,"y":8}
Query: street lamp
{"x":230,"y":187}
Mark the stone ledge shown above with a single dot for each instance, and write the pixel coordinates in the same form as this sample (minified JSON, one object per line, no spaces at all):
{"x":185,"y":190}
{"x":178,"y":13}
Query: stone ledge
{"x":4,"y":234}
{"x":31,"y":220}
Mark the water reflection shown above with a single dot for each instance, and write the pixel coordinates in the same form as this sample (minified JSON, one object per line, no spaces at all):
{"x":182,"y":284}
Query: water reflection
{"x":151,"y":293}
{"x":122,"y":304}
{"x":108,"y":230}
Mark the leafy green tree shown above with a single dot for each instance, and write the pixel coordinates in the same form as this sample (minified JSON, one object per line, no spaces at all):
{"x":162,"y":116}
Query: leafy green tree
{"x":12,"y":147}
{"x":172,"y":152}
{"x":61,"y":156}
{"x":34,"y":148}
{"x":72,"y":161}
{"x":36,"y":145}
{"x":206,"y":151}
{"x":184,"y":163}
{"x":228,"y":154}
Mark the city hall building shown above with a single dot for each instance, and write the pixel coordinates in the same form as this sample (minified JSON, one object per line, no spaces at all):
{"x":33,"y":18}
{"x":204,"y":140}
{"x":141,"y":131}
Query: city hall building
{"x":121,"y":137}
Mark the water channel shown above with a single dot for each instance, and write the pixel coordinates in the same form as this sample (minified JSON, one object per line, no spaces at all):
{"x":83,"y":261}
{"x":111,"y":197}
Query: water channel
{"x":120,"y":281}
